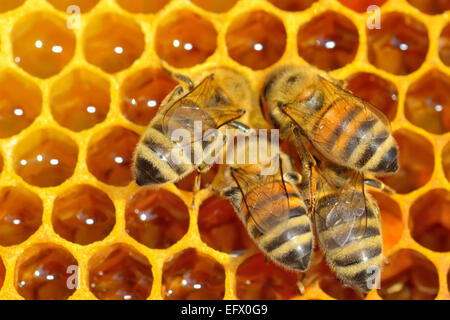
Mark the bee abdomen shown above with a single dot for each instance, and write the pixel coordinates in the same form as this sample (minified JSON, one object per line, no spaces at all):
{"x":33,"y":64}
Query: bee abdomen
{"x":290,"y":244}
{"x":153,"y":163}
{"x":357,"y":268}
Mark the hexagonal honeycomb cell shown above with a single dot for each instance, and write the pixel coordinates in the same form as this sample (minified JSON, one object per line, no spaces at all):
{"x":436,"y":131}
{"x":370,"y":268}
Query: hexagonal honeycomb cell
{"x":42,"y":45}
{"x":409,"y":275}
{"x":191,"y":275}
{"x":156,"y":218}
{"x":20,"y":103}
{"x":429,"y":222}
{"x":403,"y":39}
{"x":83,"y":214}
{"x":427,"y":103}
{"x":65,"y":167}
{"x":113,"y":42}
{"x":80,"y":100}
{"x":45,"y":158}
{"x":328,"y":41}
{"x":20,"y":215}
{"x":142,"y":94}
{"x":177,"y":40}
{"x":256,"y":39}
{"x":120,"y":272}
{"x":42,"y":272}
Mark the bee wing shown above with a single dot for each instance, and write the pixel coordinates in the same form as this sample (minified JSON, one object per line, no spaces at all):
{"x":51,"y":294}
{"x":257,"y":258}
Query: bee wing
{"x":207,"y":104}
{"x":346,"y":212}
{"x":265,"y":197}
{"x":333,"y":94}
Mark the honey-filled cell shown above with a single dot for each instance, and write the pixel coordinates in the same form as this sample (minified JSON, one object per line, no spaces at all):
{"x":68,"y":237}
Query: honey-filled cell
{"x":444,"y":45}
{"x":142,"y":93}
{"x":113,"y":42}
{"x":70,"y":5}
{"x":156,"y":218}
{"x":20,"y":215}
{"x":83,"y":214}
{"x":427,"y":102}
{"x":391,"y":219}
{"x":328,"y":41}
{"x":221,"y":229}
{"x":334,"y":288}
{"x":258,"y":279}
{"x":446,"y":160}
{"x":191,"y":275}
{"x":409,"y":275}
{"x":256,"y":39}
{"x":429,"y":220}
{"x":178,"y":40}
{"x":20,"y":103}
{"x":400,"y":46}
{"x":46,"y":272}
{"x":80,"y":100}
{"x":372,"y":88}
{"x":109,"y":155}
{"x":293,"y":5}
{"x":42,"y":44}
{"x":416,"y":159}
{"x":45,"y":158}
{"x":120,"y":272}
{"x":217,"y":6}
{"x":362,"y":5}
{"x":431,"y":7}
{"x":7,"y":5}
{"x":142,"y":6}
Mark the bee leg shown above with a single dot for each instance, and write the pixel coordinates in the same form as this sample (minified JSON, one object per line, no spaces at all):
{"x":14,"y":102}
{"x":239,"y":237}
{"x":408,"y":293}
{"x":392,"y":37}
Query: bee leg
{"x":300,"y":285}
{"x":386,"y":261}
{"x":178,"y":76}
{"x":197,"y":184}
{"x":377,"y":184}
{"x":266,"y":259}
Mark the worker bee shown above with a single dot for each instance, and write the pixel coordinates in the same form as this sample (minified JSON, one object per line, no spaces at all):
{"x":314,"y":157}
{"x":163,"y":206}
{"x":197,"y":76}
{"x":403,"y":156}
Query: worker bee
{"x":342,"y":127}
{"x":347,"y":224}
{"x":162,"y":156}
{"x":272,"y":210}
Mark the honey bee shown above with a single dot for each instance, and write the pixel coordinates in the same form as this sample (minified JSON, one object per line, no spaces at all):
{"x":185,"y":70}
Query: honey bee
{"x":215,"y":102}
{"x":347,"y":224}
{"x":273,"y":211}
{"x":342,"y":127}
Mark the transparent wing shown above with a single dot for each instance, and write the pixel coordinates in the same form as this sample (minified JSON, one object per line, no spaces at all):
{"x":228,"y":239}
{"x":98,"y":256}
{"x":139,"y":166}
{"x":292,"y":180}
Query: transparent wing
{"x":206,"y":107}
{"x":367,"y":115}
{"x":265,"y":197}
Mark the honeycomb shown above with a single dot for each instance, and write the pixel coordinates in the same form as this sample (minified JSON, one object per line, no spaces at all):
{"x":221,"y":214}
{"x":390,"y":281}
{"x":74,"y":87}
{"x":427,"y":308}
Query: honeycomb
{"x":76,"y":91}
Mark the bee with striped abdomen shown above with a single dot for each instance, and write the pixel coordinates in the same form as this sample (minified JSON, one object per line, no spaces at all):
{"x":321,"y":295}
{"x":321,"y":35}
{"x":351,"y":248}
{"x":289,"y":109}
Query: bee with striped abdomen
{"x":342,"y":127}
{"x":348,"y":227}
{"x":273,"y":212}
{"x":215,"y":102}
